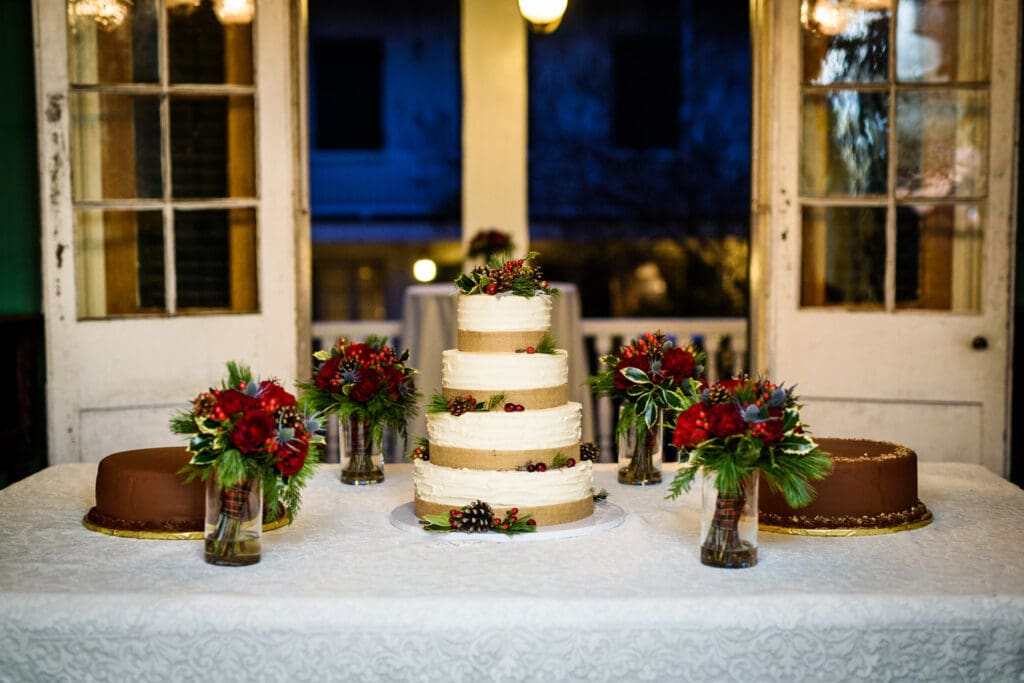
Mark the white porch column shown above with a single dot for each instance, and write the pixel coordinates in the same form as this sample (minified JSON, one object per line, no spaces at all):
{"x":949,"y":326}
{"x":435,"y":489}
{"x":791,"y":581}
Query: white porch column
{"x":494,"y":120}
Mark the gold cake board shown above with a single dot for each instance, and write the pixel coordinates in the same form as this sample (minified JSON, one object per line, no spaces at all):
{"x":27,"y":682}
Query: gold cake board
{"x":166,"y":535}
{"x":854,"y":531}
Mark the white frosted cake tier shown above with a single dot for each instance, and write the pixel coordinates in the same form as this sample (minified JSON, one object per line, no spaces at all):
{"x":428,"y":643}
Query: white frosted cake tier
{"x":458,"y":487}
{"x":497,"y":430}
{"x":498,"y":372}
{"x":503,"y":312}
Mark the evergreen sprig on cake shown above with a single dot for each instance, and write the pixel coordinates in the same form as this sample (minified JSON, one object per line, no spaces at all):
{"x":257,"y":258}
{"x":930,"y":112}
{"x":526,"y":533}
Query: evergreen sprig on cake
{"x":519,"y":277}
{"x":460,"y":405}
{"x":478,"y":517}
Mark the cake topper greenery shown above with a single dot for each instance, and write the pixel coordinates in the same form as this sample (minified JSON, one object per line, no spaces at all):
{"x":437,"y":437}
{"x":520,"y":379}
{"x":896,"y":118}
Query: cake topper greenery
{"x":500,"y":276}
{"x":252,"y":429}
{"x":478,"y":517}
{"x":366,"y":380}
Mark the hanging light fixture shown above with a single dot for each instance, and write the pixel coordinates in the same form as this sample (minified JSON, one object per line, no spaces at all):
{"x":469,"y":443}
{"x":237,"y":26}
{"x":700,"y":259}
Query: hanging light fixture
{"x":233,"y":11}
{"x":544,"y":16}
{"x":108,"y":14}
{"x":827,"y":17}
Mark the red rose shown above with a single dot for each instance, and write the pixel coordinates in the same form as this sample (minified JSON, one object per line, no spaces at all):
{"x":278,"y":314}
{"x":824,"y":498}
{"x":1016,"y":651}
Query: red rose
{"x":232,"y":402}
{"x":273,"y":396}
{"x":725,"y":420}
{"x":328,"y":371}
{"x":252,"y":431}
{"x":367,"y":386}
{"x":290,"y":458}
{"x":678,"y":364}
{"x":773,"y":428}
{"x":691,"y":427}
{"x":394,"y":378}
{"x":634,"y":361}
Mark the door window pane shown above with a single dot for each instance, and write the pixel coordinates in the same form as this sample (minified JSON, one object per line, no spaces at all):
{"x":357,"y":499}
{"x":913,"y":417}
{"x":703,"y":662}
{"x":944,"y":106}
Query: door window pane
{"x":215,"y":256}
{"x":112,"y":41}
{"x":845,"y":148}
{"x":938,"y":257}
{"x":843,"y":43}
{"x":201,"y":48}
{"x":115,"y":146}
{"x":212,"y":142}
{"x":119,"y":262}
{"x":843,"y":256}
{"x":942,"y":41}
{"x":941,"y":139}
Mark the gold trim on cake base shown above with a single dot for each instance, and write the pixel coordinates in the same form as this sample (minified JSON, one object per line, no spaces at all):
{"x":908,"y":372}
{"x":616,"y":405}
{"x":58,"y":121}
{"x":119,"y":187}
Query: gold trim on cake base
{"x":545,"y":515}
{"x":530,"y":399}
{"x":923,"y":517}
{"x":166,"y":535}
{"x":482,"y":459}
{"x":498,"y":342}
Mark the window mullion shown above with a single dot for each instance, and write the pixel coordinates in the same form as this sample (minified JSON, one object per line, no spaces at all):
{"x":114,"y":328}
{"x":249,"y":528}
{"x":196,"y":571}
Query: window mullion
{"x":170,"y":269}
{"x":890,"y":214}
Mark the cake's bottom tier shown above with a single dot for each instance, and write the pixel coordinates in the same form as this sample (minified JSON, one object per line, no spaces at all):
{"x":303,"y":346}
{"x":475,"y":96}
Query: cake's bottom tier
{"x":142,"y":490}
{"x":553,"y":497}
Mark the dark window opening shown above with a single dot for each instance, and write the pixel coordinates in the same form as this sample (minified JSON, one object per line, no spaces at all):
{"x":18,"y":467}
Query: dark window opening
{"x":348,"y":93}
{"x":646,"y":85}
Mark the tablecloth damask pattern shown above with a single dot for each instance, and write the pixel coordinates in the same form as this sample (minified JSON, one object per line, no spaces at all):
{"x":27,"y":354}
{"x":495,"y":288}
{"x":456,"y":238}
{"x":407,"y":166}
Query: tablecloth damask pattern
{"x":343,"y":595}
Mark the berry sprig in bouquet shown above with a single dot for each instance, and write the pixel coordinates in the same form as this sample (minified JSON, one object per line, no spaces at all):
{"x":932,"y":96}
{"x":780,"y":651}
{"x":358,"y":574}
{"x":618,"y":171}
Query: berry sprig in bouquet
{"x":734,"y":429}
{"x":516,"y":276}
{"x":649,"y":375}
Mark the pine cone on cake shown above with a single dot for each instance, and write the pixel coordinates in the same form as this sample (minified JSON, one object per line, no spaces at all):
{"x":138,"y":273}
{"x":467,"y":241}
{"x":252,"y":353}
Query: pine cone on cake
{"x":477,"y":516}
{"x":590,"y":451}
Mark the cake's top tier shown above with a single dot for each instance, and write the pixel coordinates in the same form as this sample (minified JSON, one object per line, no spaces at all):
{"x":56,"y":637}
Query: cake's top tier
{"x":502,"y":323}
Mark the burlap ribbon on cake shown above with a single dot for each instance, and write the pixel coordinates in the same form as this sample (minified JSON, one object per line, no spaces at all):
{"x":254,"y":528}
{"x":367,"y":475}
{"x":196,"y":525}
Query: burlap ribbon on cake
{"x":478,"y":459}
{"x":545,"y":515}
{"x":497,"y":342}
{"x":530,"y":399}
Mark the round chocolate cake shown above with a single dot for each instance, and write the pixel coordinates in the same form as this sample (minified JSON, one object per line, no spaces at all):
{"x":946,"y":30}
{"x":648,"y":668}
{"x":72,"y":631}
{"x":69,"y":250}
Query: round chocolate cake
{"x":872,"y":490}
{"x":141,"y":493}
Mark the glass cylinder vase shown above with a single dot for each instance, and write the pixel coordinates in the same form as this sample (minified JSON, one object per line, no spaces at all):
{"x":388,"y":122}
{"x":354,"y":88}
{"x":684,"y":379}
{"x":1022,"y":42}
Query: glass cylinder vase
{"x":728,"y":523}
{"x":362,"y":458}
{"x":234,"y":521}
{"x":639,"y":453}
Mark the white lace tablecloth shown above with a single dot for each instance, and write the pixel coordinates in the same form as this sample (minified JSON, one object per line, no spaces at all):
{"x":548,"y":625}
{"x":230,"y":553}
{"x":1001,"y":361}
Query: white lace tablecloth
{"x":343,"y":595}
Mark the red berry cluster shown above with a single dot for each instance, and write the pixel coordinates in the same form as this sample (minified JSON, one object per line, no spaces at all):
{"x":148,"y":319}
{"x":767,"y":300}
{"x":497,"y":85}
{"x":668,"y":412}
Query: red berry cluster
{"x":514,"y":408}
{"x":422,"y":452}
{"x":528,"y":349}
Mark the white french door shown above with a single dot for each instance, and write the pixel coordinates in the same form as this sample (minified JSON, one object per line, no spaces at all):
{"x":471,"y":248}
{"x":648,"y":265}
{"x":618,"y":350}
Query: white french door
{"x":173,"y":202}
{"x":891,"y":156}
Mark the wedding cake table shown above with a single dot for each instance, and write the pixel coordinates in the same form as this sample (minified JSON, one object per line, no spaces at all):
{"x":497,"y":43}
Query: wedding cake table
{"x":343,"y":594}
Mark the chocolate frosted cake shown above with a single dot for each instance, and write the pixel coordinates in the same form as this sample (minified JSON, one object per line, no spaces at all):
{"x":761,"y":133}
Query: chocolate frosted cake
{"x":141,"y":491}
{"x":872,"y":490}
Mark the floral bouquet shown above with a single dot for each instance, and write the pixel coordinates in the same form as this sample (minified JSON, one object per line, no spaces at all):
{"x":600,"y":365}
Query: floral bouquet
{"x":489,"y":244}
{"x":735,"y":430}
{"x":251,"y":435}
{"x":369,"y":387}
{"x":649,"y":375}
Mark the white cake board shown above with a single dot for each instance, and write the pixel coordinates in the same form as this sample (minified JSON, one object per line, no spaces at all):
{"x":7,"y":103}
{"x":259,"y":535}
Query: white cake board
{"x":606,"y":516}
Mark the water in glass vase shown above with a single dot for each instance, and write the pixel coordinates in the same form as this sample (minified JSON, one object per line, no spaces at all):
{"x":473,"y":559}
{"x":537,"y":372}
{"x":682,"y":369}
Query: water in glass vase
{"x":640,"y":455}
{"x":362,"y":461}
{"x":728,"y":523}
{"x":234,"y":522}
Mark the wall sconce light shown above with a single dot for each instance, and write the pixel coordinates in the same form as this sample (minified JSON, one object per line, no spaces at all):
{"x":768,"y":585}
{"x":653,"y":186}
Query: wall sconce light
{"x":233,"y":11}
{"x":544,"y":16}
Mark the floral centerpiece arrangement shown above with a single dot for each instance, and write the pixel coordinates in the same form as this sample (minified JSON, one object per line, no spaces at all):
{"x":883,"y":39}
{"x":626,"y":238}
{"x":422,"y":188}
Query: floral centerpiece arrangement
{"x":369,"y":387}
{"x":255,"y":448}
{"x":735,"y":430}
{"x":489,"y":244}
{"x":649,"y":376}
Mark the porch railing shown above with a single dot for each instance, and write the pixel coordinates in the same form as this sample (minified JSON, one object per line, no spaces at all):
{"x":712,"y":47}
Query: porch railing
{"x":723,"y":339}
